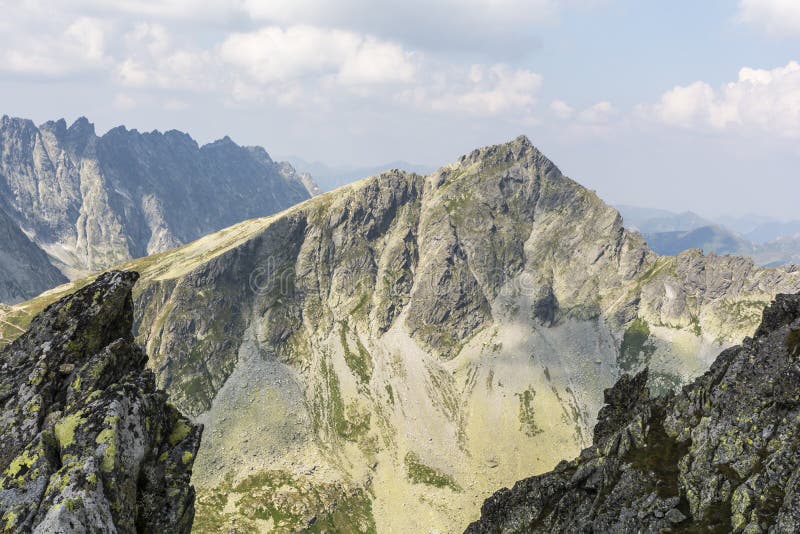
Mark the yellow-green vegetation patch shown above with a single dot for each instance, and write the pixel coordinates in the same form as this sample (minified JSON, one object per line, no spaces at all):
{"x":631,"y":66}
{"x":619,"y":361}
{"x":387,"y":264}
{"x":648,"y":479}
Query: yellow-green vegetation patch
{"x":360,"y":308}
{"x":743,"y":314}
{"x":108,"y":438}
{"x":348,"y":422}
{"x":359,"y":362}
{"x":65,"y":428}
{"x":526,"y":416}
{"x":187,"y":457}
{"x":11,"y":518}
{"x":419,"y":473}
{"x":179,"y":432}
{"x":21,"y":464}
{"x":658,"y":266}
{"x":279,"y":502}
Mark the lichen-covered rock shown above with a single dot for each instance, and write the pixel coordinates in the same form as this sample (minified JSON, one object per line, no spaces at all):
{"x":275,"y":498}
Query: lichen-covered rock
{"x":87,"y":442}
{"x":723,"y":455}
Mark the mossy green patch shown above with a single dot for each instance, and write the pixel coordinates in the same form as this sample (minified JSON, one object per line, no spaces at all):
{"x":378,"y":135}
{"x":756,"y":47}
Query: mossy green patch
{"x":359,"y":362}
{"x":419,"y":473}
{"x":526,"y":414}
{"x":637,"y":348}
{"x":283,"y":503}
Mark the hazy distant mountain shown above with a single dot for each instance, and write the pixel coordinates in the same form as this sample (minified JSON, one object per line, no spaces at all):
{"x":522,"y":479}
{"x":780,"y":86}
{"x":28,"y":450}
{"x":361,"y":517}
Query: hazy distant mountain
{"x":90,"y":202}
{"x":770,"y":231}
{"x":330,"y":177}
{"x":744,"y":224}
{"x":412,"y":336}
{"x":714,"y":239}
{"x":768,"y":241}
{"x":650,"y":220}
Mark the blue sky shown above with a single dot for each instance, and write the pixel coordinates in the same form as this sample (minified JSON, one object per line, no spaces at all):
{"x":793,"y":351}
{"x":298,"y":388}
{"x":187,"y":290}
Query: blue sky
{"x":646,"y":102}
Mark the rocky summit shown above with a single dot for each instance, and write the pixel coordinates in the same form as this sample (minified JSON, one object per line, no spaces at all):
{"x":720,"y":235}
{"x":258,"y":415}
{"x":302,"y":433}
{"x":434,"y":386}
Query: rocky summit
{"x":87,"y":442}
{"x":90,"y":202}
{"x":719,"y":456}
{"x":386,"y":355}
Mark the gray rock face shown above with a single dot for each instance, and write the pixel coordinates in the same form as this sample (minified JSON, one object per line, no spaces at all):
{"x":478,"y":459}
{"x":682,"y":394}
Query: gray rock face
{"x":25,"y":270}
{"x":92,"y":202}
{"x":87,"y":442}
{"x":720,"y":456}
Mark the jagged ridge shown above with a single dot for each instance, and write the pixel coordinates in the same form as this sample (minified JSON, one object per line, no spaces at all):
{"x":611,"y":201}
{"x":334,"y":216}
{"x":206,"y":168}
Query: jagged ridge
{"x":93,"y":201}
{"x":720,"y":456}
{"x":87,"y":442}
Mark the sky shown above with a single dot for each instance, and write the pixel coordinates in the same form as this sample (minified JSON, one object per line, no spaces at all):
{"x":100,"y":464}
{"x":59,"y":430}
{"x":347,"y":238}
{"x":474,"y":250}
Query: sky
{"x":678,"y":105}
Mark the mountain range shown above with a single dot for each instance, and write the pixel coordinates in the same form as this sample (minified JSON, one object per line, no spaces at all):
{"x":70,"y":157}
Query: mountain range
{"x":88,"y":202}
{"x":330,"y":177}
{"x":386,"y":355}
{"x":769,"y":242}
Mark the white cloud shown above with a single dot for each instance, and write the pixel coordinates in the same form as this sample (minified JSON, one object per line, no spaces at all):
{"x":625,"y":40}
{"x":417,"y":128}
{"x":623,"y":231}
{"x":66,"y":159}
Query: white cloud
{"x":78,"y":47}
{"x":594,"y":115}
{"x":482,"y":91}
{"x":322,"y":55}
{"x":377,"y":62}
{"x":151,"y":61}
{"x":775,"y":16}
{"x":276,"y":55}
{"x":767,"y":100}
{"x":597,"y":113}
{"x":311,"y":64}
{"x":561,"y":109}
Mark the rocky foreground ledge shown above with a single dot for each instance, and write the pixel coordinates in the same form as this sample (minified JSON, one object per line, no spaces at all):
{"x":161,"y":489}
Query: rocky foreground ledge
{"x":87,"y":442}
{"x":723,"y":455}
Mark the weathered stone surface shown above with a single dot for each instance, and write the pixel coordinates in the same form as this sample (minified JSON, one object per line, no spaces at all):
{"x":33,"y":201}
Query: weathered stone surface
{"x":87,"y":442}
{"x":722,"y":455}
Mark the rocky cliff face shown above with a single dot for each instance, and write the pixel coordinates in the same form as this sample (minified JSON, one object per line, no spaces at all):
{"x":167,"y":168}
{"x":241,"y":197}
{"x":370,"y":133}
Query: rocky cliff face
{"x":719,"y":456}
{"x":87,"y":442}
{"x":25,"y":270}
{"x":383,"y":356}
{"x":92,"y":202}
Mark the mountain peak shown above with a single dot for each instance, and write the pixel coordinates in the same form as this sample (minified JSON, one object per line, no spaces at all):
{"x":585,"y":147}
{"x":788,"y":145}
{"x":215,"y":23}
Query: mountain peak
{"x":82,"y":125}
{"x":519,"y":149}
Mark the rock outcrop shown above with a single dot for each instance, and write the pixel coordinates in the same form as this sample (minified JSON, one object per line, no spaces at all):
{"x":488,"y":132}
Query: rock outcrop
{"x":413,"y":335}
{"x":722,"y":455}
{"x":92,"y":202}
{"x":87,"y":442}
